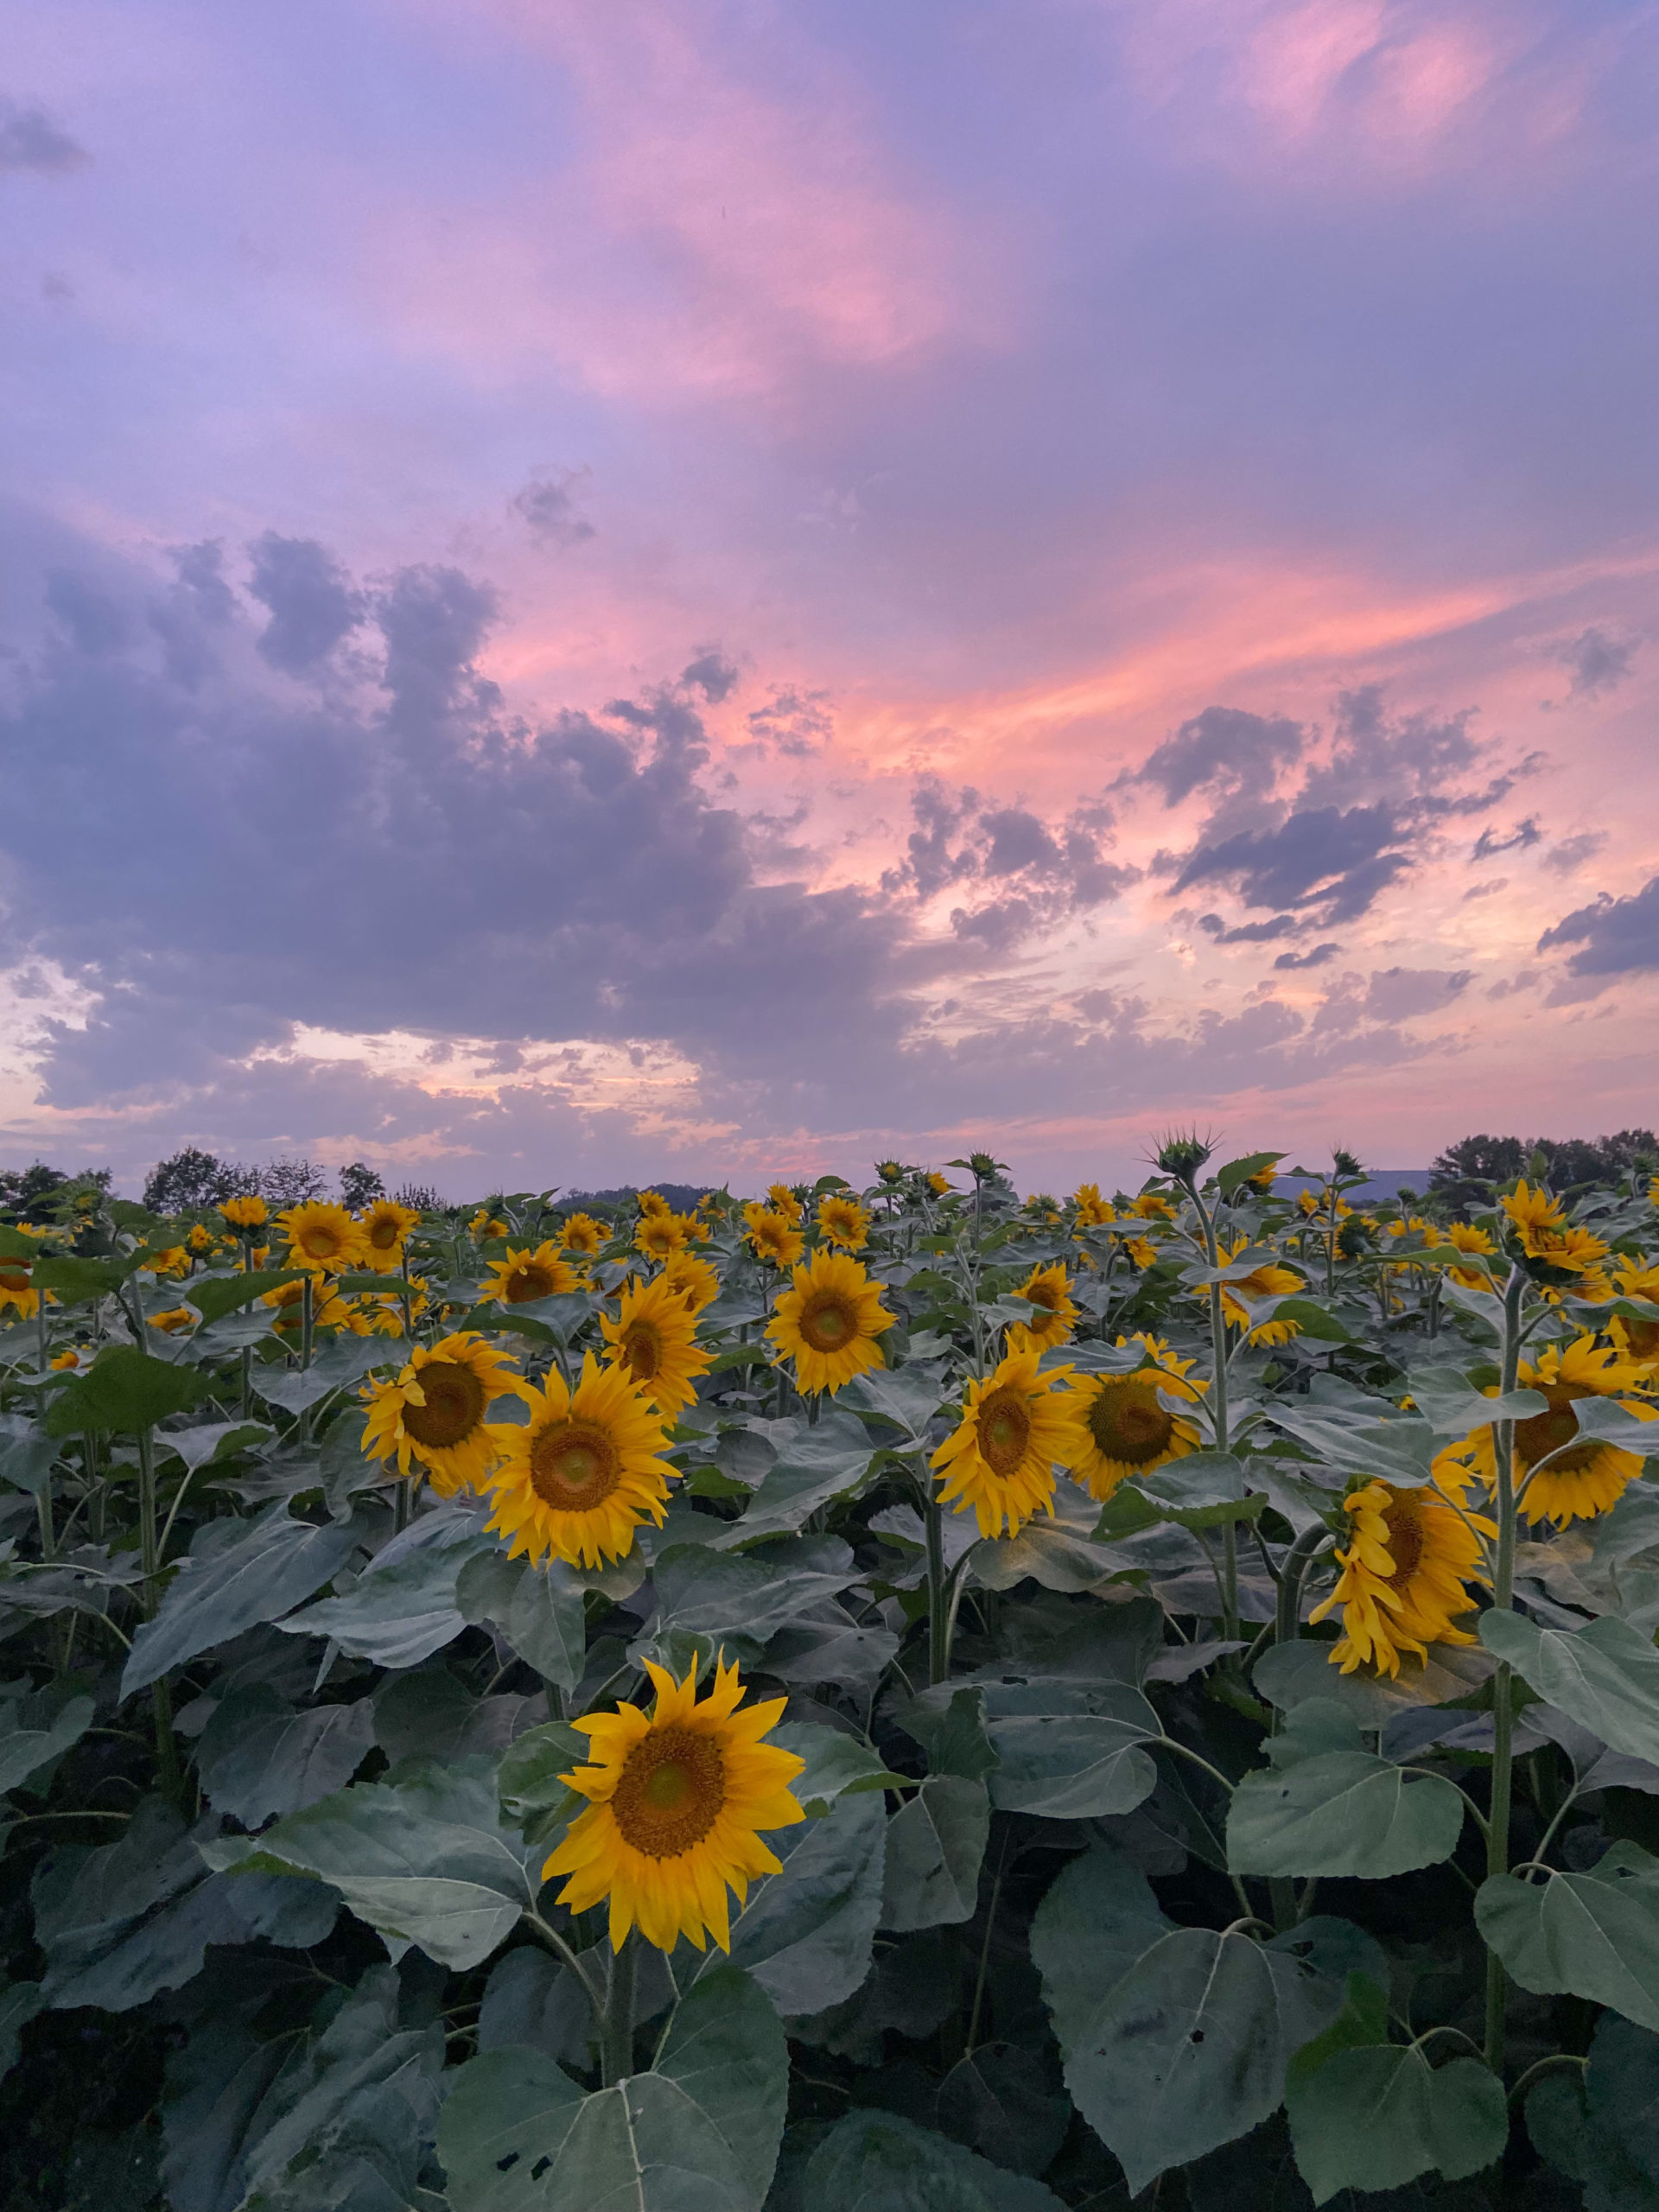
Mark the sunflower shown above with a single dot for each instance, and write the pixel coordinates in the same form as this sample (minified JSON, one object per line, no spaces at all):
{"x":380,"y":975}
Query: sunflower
{"x":1125,"y":1426}
{"x":176,"y":1319}
{"x":690,"y":1277}
{"x":578,"y":1477}
{"x":524,"y":1275}
{"x":583,"y":1234}
{"x":827,"y":1323}
{"x":1534,"y":1214}
{"x":245,"y":1212}
{"x":1142,"y":1251}
{"x":386,"y":1226}
{"x":653,"y":1341}
{"x":485,"y":1225}
{"x":377,"y":1317}
{"x":773,"y":1237}
{"x":1047,"y":1288}
{"x":65,"y":1359}
{"x":1465,"y":1237}
{"x":199,"y":1239}
{"x":999,"y":1461}
{"x":1152,"y":1206}
{"x":1637,"y":1341}
{"x":784,"y":1200}
{"x":653,"y":1202}
{"x":843,"y":1221}
{"x":1587,"y":1477}
{"x":660,"y":1236}
{"x":679,"y":1799}
{"x":175,"y":1261}
{"x":323,"y":1238}
{"x":328,"y":1309}
{"x":434,"y":1411}
{"x":1092,"y":1210}
{"x":1263,"y":1181}
{"x":1269,"y":1280}
{"x":939,"y":1183}
{"x":15,"y":1289}
{"x":1402,"y":1586}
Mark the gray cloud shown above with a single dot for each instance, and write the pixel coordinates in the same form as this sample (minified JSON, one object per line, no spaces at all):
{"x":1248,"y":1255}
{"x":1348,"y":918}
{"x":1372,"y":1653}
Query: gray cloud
{"x":311,"y":603}
{"x":799,"y":723}
{"x":1251,"y":932}
{"x":1489,"y":844}
{"x":712,"y":674}
{"x":1598,"y":663}
{"x":1570,"y":855}
{"x":1338,"y":862}
{"x":1233,"y":757}
{"x":1618,"y":936}
{"x":30,"y":140}
{"x":1315,"y":958}
{"x":547,"y":503}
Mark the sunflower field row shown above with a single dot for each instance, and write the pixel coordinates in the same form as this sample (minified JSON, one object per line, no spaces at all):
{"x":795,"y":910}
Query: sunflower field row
{"x":905,"y":1700}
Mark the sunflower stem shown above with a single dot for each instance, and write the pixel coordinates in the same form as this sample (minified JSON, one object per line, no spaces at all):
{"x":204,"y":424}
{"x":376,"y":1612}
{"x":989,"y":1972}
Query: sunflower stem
{"x":938,"y":1614}
{"x":161,"y":1697}
{"x":1497,"y":1836}
{"x":618,"y":2054}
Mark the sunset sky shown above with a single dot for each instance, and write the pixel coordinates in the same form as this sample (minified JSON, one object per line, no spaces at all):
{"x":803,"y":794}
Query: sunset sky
{"x":670,"y":589}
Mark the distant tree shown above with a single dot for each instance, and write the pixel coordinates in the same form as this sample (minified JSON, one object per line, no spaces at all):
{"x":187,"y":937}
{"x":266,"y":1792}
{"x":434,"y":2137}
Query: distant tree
{"x":37,"y":1192}
{"x":1466,"y":1173}
{"x":359,"y":1186}
{"x":292,"y":1182}
{"x":192,"y":1181}
{"x":420,"y":1198}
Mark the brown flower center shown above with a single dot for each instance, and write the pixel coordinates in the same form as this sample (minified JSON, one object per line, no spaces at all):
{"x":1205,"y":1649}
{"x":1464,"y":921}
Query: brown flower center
{"x":530,"y":1281}
{"x":574,"y":1465}
{"x":829,"y":1321}
{"x":670,"y":1792}
{"x":1642,"y":1337}
{"x":1129,"y":1423}
{"x":1405,"y":1530}
{"x":384,"y":1234}
{"x":15,"y":1277}
{"x":454,"y":1407}
{"x":642,"y":1350}
{"x":1536,"y":1438}
{"x":321,"y":1241}
{"x":1003,"y":1425}
{"x":1043,"y":1295}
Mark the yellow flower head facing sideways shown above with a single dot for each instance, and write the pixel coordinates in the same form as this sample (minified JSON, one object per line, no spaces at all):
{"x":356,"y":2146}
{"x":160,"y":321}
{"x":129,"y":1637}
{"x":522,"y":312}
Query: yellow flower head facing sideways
{"x":1404,"y":1574}
{"x":782,"y":1199}
{"x":1269,"y":1280}
{"x":583,"y":1236}
{"x":523,"y":1274}
{"x":829,"y":1323}
{"x":1576,"y":1476}
{"x":435,"y":1413}
{"x":653,"y":1202}
{"x":1091,"y":1210}
{"x":940,"y":1184}
{"x":660,"y":1236}
{"x":692,"y":1277}
{"x":679,"y":1801}
{"x":322,"y":1238}
{"x":1048,"y":1290}
{"x":385,"y":1227}
{"x":998,"y":1464}
{"x":1464,"y":1236}
{"x":772,"y":1236}
{"x":1127,"y":1423}
{"x":245,"y":1213}
{"x":580,"y":1475}
{"x":653,"y":1339}
{"x":1636,"y":1338}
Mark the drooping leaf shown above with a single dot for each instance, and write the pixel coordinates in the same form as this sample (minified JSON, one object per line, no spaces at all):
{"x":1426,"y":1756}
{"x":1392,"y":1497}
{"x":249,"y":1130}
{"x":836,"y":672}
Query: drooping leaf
{"x":19,"y":2002}
{"x":25,"y":1746}
{"x":123,"y":1391}
{"x":701,"y":2129}
{"x":1288,"y":1674}
{"x":75,"y":1281}
{"x":1398,"y":1451}
{"x":119,"y":1923}
{"x":396,"y":1614}
{"x":741,"y":1598}
{"x":538,"y":1609}
{"x":1002,"y":2101}
{"x":211,"y":1441}
{"x":258,"y":1758}
{"x":935,"y":1842}
{"x":1069,"y":1750}
{"x":213,"y":1296}
{"x":1593,"y":1934}
{"x":878,"y":2162}
{"x":836,"y":1762}
{"x":806,"y":1933}
{"x":423,"y":1857}
{"x":238,"y":1574}
{"x":1605,"y":1676}
{"x":1341,"y":1812}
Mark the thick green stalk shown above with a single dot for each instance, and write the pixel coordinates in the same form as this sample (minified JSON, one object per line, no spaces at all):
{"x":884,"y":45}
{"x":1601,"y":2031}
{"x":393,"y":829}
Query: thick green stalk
{"x":618,"y":2054}
{"x":1218,"y":1410}
{"x":1498,"y":1835}
{"x":150,"y":1554}
{"x":938,"y":1615}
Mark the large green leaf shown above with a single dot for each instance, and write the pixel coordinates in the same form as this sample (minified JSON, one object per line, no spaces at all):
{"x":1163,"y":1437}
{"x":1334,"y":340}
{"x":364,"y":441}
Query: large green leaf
{"x":538,"y":1609}
{"x":1005,"y":2102}
{"x":1069,"y":1750}
{"x":741,"y":1599}
{"x":135,"y":1916}
{"x":1400,"y":1451}
{"x":1605,"y":1676}
{"x":1177,"y":2040}
{"x":877,"y":2162}
{"x":1369,"y":2114}
{"x":698,"y":2133}
{"x":806,"y":1933}
{"x":423,"y":1857}
{"x":75,"y":1281}
{"x":339,"y":2113}
{"x":258,"y":1758}
{"x":29,"y":1740}
{"x":1594,"y":1934}
{"x":399,"y":1612}
{"x":215,"y":1295}
{"x":1340,"y":1810}
{"x":19,"y":2002}
{"x":935,"y":1842}
{"x":1288,"y":1675}
{"x":1621,"y":2091}
{"x":125,"y":1391}
{"x":239,"y":1572}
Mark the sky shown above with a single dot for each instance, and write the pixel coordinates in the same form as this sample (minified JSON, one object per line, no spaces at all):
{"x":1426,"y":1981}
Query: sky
{"x":732,"y":588}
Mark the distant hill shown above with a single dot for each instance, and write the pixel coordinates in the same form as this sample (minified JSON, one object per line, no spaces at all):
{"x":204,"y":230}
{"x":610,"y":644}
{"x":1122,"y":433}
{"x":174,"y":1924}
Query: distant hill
{"x":1381,"y":1183}
{"x":680,"y":1196}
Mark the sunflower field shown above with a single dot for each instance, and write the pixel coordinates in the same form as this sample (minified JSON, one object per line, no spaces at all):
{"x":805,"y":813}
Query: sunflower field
{"x":905,"y":1700}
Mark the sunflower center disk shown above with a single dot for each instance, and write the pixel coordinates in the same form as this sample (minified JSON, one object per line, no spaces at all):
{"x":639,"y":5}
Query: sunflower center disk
{"x":525,"y":1283}
{"x":319,"y":1243}
{"x":1128,"y":1423}
{"x":1546,"y":1433}
{"x":1405,"y":1546}
{"x":574,"y":1465}
{"x":383,"y":1236}
{"x":827,"y":1322}
{"x":1004,"y":1429}
{"x":670,"y":1792}
{"x":1643,"y":1337}
{"x":642,"y":1349}
{"x":454,"y":1407}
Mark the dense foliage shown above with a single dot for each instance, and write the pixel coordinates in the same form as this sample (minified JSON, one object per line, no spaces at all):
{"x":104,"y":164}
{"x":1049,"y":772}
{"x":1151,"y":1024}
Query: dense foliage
{"x":1114,"y":1699}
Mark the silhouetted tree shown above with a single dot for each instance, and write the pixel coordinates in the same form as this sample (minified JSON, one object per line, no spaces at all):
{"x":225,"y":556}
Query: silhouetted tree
{"x":192,"y":1181}
{"x":360,"y":1185}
